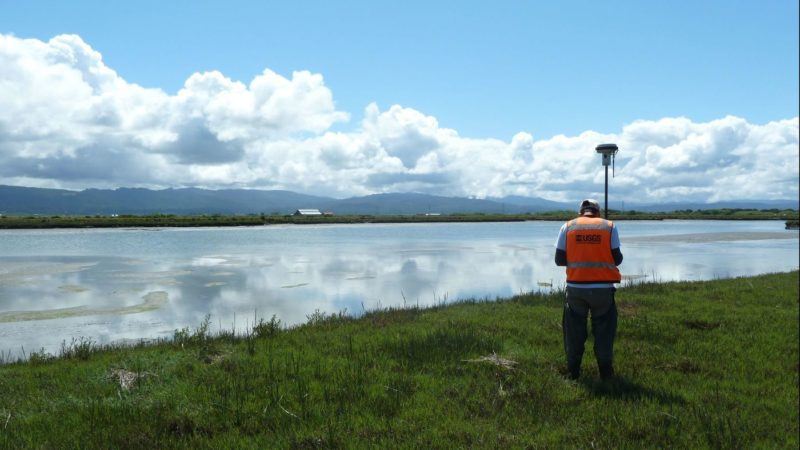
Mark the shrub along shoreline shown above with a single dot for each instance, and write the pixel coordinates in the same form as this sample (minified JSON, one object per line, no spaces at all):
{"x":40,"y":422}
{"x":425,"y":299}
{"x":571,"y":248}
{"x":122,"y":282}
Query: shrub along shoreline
{"x":700,"y":364}
{"x":218,"y":220}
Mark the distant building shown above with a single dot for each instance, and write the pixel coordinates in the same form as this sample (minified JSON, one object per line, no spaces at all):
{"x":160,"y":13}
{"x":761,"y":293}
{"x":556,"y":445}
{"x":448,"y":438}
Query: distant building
{"x":433,"y":214}
{"x":327,"y":213}
{"x":307,"y":212}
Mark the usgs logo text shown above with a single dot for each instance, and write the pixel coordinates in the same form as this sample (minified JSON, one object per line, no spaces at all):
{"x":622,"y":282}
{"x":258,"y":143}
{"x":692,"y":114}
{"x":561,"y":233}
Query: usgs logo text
{"x":588,"y":238}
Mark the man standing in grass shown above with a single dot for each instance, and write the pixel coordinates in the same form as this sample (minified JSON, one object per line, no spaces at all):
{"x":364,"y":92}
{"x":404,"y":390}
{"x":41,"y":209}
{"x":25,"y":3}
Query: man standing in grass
{"x":589,"y":248}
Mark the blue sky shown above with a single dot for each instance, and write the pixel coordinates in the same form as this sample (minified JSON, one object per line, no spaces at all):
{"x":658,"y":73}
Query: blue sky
{"x":487,"y":69}
{"x":451,"y":98}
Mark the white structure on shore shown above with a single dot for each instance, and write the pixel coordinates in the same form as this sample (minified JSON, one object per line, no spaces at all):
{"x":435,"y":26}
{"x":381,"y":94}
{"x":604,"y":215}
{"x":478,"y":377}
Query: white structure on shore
{"x":307,"y":212}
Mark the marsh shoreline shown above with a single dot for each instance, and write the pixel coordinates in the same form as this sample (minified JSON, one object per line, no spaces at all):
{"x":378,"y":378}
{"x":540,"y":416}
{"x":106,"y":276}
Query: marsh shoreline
{"x":474,"y":373}
{"x":169,"y":220}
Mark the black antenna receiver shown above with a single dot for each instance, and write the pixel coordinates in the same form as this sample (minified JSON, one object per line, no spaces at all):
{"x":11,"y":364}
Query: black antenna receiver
{"x":609,"y":151}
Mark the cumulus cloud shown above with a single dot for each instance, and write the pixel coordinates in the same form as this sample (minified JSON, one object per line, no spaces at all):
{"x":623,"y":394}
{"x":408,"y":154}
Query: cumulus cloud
{"x":69,"y":120}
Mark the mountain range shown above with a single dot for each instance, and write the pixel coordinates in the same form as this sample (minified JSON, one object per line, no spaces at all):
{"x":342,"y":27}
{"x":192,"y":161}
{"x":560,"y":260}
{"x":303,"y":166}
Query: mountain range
{"x":27,"y":200}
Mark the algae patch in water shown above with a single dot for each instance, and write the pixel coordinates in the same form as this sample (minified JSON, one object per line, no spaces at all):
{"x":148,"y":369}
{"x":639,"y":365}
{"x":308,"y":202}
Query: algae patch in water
{"x":163,"y":278}
{"x":290,"y":286}
{"x":152,"y":301}
{"x":726,"y":236}
{"x":13,"y":274}
{"x":517,"y":247}
{"x":72,"y":288}
{"x":134,"y":262}
{"x":209,"y":261}
{"x":424,"y":251}
{"x":138,"y":276}
{"x":360,"y":277}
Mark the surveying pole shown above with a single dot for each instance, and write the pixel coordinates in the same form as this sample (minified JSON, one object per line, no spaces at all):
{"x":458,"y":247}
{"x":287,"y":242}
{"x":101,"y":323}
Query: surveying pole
{"x":608,"y":151}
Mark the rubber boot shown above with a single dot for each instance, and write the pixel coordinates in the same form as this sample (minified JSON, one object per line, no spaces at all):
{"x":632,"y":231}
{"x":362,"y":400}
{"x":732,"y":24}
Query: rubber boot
{"x":606,"y":370}
{"x":574,"y":371}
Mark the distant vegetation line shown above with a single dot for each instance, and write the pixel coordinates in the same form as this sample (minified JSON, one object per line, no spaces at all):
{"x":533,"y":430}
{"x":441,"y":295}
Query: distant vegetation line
{"x":218,"y":220}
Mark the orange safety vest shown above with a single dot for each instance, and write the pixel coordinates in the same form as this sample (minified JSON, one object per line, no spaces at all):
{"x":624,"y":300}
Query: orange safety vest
{"x":589,"y":258}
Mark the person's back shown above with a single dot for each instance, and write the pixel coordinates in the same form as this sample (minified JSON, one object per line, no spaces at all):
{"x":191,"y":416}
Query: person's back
{"x":589,"y":248}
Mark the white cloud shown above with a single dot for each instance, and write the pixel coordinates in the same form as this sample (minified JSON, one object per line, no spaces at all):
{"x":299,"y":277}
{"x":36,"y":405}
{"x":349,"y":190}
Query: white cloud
{"x":68,"y":120}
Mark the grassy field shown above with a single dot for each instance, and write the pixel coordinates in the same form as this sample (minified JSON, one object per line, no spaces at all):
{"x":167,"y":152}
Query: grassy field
{"x":171,"y":220}
{"x":700,"y":365}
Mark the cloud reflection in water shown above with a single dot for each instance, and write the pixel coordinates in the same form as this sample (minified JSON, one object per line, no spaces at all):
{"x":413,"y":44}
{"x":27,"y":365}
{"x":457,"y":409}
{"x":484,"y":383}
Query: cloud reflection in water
{"x":351,"y":272}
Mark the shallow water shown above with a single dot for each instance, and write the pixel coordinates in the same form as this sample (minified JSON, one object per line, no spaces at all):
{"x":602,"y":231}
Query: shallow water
{"x":114,"y":285}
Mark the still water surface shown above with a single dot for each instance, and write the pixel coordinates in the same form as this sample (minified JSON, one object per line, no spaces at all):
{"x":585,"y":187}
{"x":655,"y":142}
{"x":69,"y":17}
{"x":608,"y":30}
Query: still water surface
{"x":113,"y":285}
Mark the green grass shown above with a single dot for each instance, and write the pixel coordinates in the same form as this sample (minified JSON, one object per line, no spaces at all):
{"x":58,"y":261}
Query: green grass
{"x":218,"y":220}
{"x":701,"y":365}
